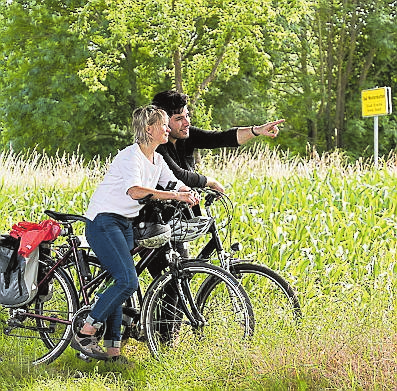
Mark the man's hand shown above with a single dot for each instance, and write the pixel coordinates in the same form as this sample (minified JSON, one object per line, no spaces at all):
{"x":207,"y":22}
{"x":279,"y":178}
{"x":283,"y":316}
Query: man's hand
{"x":269,"y":129}
{"x":214,"y":184}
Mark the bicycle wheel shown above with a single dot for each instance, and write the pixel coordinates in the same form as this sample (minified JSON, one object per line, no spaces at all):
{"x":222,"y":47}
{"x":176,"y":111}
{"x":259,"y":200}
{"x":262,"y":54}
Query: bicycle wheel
{"x":28,"y":336}
{"x":226,"y":310}
{"x":275,"y":304}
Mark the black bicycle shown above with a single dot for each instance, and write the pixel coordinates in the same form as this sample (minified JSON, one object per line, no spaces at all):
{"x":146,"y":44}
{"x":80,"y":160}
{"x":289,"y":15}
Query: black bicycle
{"x":275,"y":302}
{"x":174,"y":310}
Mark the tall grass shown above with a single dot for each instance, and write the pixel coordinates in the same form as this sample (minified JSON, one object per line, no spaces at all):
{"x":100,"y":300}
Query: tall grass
{"x":31,"y":183}
{"x":36,"y":170}
{"x":328,"y":226}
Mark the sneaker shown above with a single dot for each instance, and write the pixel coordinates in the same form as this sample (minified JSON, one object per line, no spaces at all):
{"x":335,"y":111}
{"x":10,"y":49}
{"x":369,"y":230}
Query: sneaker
{"x":89,"y":346}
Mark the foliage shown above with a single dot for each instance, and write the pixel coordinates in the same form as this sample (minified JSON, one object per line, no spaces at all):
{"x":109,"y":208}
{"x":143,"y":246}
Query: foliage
{"x":73,"y":71}
{"x":186,"y":44}
{"x":328,"y":55}
{"x":44,"y":102}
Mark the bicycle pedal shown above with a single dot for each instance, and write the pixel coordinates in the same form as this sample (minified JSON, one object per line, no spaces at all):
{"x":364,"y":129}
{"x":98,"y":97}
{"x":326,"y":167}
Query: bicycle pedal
{"x":83,"y":357}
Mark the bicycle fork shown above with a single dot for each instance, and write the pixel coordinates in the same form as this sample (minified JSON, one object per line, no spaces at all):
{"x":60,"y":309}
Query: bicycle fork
{"x":187,"y":301}
{"x":180,"y":281}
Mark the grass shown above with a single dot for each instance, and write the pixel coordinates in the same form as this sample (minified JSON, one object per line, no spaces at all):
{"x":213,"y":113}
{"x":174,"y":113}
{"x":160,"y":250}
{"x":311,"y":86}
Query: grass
{"x":327,"y":226}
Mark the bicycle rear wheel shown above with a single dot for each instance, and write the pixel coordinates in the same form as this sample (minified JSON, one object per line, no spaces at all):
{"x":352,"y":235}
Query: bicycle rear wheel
{"x":40,"y":331}
{"x":275,"y":304}
{"x":226,"y":309}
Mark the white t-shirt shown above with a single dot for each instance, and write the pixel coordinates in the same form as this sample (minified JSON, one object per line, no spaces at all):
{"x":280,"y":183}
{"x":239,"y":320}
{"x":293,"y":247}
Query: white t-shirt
{"x":129,"y":168}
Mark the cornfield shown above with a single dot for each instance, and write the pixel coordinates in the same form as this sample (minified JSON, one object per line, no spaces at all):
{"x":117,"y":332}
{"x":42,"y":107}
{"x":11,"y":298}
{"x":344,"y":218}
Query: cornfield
{"x":327,"y":225}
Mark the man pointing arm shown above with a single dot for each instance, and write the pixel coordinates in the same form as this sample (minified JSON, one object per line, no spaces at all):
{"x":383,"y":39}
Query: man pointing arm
{"x":185,"y":138}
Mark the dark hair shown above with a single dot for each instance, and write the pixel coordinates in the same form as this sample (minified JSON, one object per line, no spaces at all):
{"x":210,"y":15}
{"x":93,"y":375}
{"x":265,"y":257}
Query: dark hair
{"x":171,"y":101}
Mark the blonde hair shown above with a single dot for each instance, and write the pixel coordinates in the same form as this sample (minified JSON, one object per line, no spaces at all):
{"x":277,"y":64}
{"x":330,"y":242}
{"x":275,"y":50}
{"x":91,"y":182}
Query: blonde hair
{"x":145,"y":116}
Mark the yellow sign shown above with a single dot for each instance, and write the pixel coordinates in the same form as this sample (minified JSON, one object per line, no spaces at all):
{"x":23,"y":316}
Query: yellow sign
{"x":376,"y":102}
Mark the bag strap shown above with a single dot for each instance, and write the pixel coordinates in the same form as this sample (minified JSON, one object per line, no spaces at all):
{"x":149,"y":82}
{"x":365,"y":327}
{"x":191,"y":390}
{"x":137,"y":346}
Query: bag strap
{"x":20,"y":281}
{"x":12,"y":265}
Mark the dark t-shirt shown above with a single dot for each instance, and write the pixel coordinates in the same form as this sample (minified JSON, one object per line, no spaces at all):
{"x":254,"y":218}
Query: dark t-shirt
{"x":179,"y":156}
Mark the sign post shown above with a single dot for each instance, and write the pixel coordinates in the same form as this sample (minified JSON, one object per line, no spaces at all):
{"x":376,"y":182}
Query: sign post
{"x":375,"y":102}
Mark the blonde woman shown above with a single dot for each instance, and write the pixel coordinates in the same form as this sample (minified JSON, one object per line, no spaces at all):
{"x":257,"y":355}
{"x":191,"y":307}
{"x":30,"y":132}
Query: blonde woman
{"x":134,"y":173}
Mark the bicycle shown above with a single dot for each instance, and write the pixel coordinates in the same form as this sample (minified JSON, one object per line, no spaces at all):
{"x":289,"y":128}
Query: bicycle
{"x":273,"y":299}
{"x":40,"y":331}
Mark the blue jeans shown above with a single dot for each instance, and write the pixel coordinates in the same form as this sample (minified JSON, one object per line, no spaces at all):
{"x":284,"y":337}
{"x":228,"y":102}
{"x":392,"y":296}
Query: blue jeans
{"x":111,"y":238}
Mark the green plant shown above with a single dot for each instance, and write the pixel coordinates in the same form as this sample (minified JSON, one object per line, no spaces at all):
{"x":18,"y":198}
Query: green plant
{"x":326,"y":225}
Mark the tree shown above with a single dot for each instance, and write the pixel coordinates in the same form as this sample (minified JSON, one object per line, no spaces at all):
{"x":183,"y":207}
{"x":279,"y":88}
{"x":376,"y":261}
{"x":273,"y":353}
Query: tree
{"x":73,"y":71}
{"x":44,"y":103}
{"x":181,"y":44}
{"x":375,"y":59}
{"x":124,"y":51}
{"x":327,"y":56}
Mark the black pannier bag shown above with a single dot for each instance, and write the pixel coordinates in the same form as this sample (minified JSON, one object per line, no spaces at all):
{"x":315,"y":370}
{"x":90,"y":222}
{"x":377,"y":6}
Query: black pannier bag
{"x":18,"y":275}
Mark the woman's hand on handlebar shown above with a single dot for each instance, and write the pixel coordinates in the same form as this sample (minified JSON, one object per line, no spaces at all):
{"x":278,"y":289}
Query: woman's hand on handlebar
{"x":187,"y":195}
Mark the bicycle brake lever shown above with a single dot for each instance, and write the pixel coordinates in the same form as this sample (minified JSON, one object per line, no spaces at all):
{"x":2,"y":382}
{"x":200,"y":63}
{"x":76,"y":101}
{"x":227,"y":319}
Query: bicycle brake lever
{"x":210,"y":198}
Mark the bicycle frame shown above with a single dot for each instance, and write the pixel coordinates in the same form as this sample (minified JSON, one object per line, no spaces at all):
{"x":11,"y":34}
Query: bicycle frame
{"x":88,"y":287}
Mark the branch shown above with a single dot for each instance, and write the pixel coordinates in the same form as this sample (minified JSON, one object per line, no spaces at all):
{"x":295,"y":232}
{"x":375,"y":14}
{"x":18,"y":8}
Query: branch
{"x":214,"y":69}
{"x":369,"y":59}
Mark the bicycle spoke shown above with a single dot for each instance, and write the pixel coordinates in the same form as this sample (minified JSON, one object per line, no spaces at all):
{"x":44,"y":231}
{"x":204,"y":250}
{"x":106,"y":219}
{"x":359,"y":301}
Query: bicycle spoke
{"x":274,"y":302}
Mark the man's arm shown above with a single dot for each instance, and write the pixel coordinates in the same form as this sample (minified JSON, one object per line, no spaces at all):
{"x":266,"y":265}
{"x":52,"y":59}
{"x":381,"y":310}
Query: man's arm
{"x":269,"y":129}
{"x":233,"y":137}
{"x":210,"y":139}
{"x":189,"y":178}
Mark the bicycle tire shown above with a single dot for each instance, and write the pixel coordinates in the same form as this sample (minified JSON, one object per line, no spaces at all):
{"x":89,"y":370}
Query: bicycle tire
{"x":227,"y":311}
{"x":38,"y":341}
{"x":275,"y":303}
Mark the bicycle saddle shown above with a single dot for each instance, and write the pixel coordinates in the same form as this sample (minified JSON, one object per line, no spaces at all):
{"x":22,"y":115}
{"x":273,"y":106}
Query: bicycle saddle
{"x":64,"y":217}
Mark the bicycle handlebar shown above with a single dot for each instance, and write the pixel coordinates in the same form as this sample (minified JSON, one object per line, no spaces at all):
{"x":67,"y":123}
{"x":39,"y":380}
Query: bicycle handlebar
{"x":210,"y":196}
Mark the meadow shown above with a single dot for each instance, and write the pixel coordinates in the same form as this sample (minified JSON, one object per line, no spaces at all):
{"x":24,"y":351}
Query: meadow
{"x":328,"y":226}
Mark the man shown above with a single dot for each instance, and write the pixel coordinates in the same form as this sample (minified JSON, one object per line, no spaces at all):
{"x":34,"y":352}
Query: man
{"x":184,"y":139}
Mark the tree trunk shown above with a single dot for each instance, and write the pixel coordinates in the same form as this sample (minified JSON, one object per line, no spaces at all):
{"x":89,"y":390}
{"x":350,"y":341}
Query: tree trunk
{"x":345,"y":63}
{"x":306,"y":84}
{"x":178,"y":71}
{"x":328,"y":123}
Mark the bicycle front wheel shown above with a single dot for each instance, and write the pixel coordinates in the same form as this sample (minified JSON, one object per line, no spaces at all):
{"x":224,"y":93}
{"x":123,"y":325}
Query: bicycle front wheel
{"x":275,"y":303}
{"x":39,"y":332}
{"x":226,"y":312}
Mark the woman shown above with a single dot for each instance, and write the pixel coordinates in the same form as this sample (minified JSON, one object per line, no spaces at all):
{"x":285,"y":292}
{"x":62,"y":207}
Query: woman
{"x":134,"y":173}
